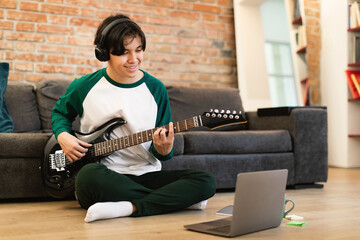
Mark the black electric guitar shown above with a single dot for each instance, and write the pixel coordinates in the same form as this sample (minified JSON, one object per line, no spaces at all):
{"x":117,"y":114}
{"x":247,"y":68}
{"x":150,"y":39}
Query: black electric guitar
{"x":59,"y":173}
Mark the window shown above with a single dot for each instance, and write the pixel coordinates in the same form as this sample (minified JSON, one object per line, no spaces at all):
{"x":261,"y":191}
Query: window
{"x":280,"y":72}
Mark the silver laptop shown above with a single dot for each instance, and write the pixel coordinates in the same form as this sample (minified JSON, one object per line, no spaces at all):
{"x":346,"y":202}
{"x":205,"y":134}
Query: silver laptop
{"x":258,"y":205}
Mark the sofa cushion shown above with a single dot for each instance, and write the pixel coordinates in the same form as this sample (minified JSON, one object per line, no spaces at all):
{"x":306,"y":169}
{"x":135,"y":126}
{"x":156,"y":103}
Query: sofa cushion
{"x":237,"y":142}
{"x":186,"y":102}
{"x":6,"y":123}
{"x":178,"y":145}
{"x":21,"y":103}
{"x":47,"y":94}
{"x":26,"y":145}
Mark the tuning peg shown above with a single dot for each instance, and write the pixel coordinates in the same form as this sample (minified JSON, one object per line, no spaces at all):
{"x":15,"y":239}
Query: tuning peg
{"x":211,"y":110}
{"x":234,"y":112}
{"x":228,"y":111}
{"x":216,"y":110}
{"x":240,"y":112}
{"x":222,"y":111}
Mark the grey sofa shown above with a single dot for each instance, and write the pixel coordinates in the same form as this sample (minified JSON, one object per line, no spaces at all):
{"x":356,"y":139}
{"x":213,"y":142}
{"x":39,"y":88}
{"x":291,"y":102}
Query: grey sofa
{"x":295,"y":140}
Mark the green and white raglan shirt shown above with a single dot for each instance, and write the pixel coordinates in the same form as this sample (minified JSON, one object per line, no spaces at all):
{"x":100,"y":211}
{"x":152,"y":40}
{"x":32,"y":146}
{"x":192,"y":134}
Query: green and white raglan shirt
{"x":96,"y":98}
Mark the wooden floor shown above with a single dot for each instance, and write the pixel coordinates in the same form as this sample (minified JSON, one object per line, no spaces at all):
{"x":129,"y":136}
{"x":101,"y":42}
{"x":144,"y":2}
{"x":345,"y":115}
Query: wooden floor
{"x":331,"y":213}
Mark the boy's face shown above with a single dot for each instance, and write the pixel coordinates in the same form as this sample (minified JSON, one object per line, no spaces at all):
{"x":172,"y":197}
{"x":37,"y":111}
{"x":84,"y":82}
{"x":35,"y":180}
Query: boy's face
{"x":125,"y":68}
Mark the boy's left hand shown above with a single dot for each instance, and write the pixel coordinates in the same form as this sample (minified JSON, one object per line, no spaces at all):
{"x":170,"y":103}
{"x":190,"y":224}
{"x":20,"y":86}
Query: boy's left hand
{"x":163,"y":139}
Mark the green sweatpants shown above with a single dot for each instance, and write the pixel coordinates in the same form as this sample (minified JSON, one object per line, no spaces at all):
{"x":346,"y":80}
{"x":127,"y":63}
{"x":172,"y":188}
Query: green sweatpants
{"x":152,"y":193}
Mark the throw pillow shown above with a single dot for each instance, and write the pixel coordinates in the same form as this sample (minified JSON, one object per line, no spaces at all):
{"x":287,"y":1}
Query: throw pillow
{"x":6,"y":123}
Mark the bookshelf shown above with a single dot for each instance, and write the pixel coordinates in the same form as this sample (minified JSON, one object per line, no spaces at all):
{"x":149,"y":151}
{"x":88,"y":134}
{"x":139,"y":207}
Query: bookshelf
{"x":353,"y":64}
{"x":298,"y":42}
{"x":343,"y":111}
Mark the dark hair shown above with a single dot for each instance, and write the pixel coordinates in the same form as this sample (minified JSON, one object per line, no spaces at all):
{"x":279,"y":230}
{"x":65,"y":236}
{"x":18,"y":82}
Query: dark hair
{"x":115,"y":38}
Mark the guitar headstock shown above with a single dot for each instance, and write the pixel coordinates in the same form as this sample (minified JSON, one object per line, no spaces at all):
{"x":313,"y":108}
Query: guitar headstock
{"x":218,"y":118}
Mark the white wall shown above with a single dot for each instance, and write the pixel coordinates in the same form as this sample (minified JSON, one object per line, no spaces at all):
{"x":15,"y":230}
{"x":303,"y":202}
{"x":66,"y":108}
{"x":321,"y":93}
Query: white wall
{"x":334,"y":92}
{"x":252,"y":73}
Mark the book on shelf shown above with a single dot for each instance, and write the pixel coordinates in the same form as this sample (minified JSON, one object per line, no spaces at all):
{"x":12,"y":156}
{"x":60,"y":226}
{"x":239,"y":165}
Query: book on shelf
{"x":353,"y":79}
{"x":300,"y":36}
{"x":354,"y":15}
{"x":296,"y":9}
{"x":356,"y":47}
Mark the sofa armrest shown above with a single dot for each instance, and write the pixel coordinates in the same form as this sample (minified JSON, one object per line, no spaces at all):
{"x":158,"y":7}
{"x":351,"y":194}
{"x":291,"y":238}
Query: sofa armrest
{"x":309,"y":133}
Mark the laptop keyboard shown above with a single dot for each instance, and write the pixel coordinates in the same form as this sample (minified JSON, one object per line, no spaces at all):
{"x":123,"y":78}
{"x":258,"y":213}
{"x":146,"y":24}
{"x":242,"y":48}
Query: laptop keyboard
{"x":224,"y":229}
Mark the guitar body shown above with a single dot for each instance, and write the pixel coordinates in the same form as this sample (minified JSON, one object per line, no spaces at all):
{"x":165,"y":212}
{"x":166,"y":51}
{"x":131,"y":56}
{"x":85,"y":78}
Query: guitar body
{"x":59,"y":181}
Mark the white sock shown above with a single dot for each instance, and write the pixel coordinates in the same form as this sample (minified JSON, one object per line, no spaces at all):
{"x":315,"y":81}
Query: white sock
{"x":198,"y":206}
{"x":106,"y":210}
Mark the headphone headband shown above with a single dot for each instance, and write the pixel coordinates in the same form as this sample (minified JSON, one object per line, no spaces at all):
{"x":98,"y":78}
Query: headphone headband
{"x":101,"y":51}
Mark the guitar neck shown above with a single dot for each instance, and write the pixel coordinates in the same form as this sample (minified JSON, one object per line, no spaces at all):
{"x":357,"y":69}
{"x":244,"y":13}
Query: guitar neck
{"x":109,"y":146}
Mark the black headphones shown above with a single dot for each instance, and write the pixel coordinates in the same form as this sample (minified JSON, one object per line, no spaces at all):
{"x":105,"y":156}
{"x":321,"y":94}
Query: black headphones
{"x":101,"y":51}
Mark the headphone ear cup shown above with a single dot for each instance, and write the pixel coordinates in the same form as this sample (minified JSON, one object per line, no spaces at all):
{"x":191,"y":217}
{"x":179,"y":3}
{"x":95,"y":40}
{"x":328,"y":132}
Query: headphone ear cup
{"x":102,"y":54}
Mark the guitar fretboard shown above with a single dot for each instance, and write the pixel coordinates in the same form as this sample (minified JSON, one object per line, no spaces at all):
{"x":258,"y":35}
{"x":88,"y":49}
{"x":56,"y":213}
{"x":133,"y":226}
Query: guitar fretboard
{"x":107,"y":147}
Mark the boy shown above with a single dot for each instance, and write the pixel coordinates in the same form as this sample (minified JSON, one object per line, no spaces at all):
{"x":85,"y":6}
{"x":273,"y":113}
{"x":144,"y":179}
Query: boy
{"x":127,"y":182}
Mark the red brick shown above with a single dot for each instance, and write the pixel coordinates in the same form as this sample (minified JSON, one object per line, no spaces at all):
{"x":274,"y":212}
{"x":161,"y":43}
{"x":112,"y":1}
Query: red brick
{"x":81,"y":41}
{"x":225,"y":2}
{"x":55,"y":29}
{"x":59,"y":9}
{"x":57,"y":39}
{"x":208,"y":1}
{"x":110,"y":5}
{"x":6,"y":25}
{"x":82,"y":61}
{"x":26,"y":16}
{"x":85,"y":31}
{"x":85,"y":22}
{"x":212,"y":26}
{"x":56,"y":49}
{"x":160,"y":3}
{"x":58,"y":19}
{"x":55,"y":59}
{"x":85,"y":3}
{"x":27,"y":27}
{"x":29,"y":6}
{"x":209,"y":17}
{"x":23,"y":66}
{"x":184,"y":5}
{"x":33,"y":77}
{"x":188,"y":50}
{"x":165,"y":58}
{"x":25,"y":46}
{"x":131,"y":8}
{"x":31,"y":57}
{"x":8,"y":4}
{"x":15,"y":76}
{"x":311,"y":4}
{"x":87,"y":12}
{"x":84,"y":70}
{"x":43,"y":68}
{"x":206,"y":8}
{"x":185,"y":14}
{"x":6,"y":45}
{"x":30,"y":37}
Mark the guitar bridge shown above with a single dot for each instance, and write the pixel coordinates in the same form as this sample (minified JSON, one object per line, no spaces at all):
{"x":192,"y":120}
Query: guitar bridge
{"x":57,"y":161}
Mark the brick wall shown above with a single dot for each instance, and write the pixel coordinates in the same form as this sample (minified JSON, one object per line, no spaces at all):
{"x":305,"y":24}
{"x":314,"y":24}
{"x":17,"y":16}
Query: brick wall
{"x":190,"y":42}
{"x":313,"y":34}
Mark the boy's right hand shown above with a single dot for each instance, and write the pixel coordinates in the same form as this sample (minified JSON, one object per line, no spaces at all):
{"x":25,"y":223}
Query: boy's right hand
{"x":73,"y":147}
